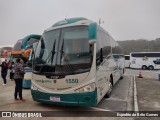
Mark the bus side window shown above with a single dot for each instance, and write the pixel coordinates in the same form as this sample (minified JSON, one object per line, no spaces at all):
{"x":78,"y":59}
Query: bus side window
{"x":98,"y":49}
{"x":99,"y":58}
{"x":103,"y":46}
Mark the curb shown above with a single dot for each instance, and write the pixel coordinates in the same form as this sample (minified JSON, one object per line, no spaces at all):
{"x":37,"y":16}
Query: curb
{"x":130,"y":97}
{"x":135,"y":96}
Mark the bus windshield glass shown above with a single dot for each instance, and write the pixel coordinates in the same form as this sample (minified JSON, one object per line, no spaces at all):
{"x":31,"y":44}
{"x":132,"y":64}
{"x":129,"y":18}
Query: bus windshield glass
{"x":17,"y":46}
{"x":64,"y":51}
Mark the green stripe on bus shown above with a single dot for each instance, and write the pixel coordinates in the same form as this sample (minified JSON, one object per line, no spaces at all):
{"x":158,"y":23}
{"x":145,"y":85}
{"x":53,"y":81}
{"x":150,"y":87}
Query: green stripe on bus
{"x":74,"y":99}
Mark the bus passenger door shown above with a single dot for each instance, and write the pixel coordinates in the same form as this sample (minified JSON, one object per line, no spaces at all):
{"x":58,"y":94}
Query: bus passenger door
{"x":115,"y":69}
{"x":103,"y":79}
{"x":100,"y":82}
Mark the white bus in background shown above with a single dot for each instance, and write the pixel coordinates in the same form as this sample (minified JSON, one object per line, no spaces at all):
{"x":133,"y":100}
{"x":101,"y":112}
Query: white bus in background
{"x":76,"y":63}
{"x":145,"y":60}
{"x":127,"y":61}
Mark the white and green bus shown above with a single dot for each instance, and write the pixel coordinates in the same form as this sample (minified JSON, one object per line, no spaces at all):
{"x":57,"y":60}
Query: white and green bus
{"x":76,"y":63}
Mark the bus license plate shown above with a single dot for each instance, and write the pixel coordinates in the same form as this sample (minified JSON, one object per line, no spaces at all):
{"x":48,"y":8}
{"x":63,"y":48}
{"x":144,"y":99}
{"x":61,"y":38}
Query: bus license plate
{"x":55,"y":98}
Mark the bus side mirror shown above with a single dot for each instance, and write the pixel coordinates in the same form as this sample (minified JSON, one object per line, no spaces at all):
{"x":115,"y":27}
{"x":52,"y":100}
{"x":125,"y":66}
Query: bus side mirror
{"x":99,"y":60}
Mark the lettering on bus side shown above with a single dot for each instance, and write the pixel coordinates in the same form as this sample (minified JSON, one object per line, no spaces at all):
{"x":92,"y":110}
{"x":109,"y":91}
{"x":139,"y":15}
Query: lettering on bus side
{"x":44,"y":81}
{"x":71,"y":80}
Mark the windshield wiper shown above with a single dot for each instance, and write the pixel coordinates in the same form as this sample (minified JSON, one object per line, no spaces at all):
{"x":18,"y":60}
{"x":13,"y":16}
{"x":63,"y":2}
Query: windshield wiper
{"x":50,"y":58}
{"x":62,"y":52}
{"x":53,"y":52}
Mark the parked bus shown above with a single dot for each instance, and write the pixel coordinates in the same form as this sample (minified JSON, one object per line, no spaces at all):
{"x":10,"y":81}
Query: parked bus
{"x":16,"y":52}
{"x":145,"y":60}
{"x":127,"y":61}
{"x":76,"y":63}
{"x":28,"y":68}
{"x":27,"y":44}
{"x":22,"y":50}
{"x":4,"y":51}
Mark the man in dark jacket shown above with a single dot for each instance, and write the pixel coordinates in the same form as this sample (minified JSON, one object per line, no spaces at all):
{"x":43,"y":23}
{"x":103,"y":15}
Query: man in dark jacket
{"x":18,"y":77}
{"x":4,"y":72}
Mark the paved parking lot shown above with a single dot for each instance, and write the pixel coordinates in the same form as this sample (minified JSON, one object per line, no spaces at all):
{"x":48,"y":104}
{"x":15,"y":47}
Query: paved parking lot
{"x":117,"y":102}
{"x":149,"y":74}
{"x":148,"y":94}
{"x":122,"y":99}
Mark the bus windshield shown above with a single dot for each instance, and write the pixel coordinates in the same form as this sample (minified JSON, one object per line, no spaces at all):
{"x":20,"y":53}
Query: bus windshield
{"x":17,"y":46}
{"x":64,"y":51}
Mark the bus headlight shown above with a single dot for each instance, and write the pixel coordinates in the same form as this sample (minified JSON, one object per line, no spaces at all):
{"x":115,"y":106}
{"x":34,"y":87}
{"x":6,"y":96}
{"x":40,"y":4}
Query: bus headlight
{"x":88,"y":88}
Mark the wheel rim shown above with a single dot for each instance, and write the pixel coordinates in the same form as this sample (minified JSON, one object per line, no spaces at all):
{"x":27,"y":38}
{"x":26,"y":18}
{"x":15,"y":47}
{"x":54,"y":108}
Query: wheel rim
{"x":144,"y":67}
{"x":150,"y":68}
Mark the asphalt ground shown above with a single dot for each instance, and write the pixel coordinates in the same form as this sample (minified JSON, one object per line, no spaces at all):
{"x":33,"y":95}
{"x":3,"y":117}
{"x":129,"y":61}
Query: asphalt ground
{"x":148,"y":94}
{"x":119,"y":101}
{"x":148,"y":97}
{"x":149,"y":74}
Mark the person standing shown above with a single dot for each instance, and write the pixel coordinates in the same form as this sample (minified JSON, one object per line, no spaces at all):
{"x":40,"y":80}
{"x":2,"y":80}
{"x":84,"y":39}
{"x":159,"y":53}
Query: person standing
{"x":11,"y":70}
{"x":8,"y":63}
{"x":4,"y":72}
{"x":18,"y":77}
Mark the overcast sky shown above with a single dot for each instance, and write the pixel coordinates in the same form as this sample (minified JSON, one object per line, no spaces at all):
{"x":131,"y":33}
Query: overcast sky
{"x":123,"y":19}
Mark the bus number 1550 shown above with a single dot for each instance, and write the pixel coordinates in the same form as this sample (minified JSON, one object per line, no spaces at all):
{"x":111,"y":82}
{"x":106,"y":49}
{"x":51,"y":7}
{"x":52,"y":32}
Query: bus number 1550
{"x":72,"y":80}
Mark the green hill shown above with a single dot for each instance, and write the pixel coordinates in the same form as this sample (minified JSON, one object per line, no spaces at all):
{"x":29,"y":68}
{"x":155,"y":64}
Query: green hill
{"x":140,"y":45}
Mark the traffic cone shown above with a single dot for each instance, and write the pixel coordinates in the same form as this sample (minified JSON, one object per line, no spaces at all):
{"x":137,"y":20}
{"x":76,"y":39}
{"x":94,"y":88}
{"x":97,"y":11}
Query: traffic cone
{"x":140,"y":74}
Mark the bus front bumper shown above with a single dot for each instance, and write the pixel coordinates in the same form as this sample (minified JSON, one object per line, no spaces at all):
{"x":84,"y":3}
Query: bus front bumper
{"x":74,"y":99}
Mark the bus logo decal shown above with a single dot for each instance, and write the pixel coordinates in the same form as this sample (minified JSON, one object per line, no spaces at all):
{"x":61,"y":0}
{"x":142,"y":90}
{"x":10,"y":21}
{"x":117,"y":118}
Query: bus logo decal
{"x":145,"y":58}
{"x":54,"y":77}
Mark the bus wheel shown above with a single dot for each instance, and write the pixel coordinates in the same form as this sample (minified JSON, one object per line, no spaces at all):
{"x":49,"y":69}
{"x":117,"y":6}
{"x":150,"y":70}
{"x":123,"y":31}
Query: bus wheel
{"x":144,"y":67}
{"x":108,"y":94}
{"x":150,"y":67}
{"x":122,"y":75}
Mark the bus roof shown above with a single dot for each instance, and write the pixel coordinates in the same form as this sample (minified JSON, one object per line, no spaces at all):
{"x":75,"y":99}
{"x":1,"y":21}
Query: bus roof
{"x":92,"y":26}
{"x":17,"y":46}
{"x":22,"y":43}
{"x":71,"y":22}
{"x":6,"y":48}
{"x":2,"y":46}
{"x":68,"y":21}
{"x":27,"y":38}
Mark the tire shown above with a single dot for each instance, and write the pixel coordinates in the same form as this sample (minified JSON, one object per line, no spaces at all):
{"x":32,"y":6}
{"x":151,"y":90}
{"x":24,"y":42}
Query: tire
{"x":108,"y":94}
{"x":150,"y":67}
{"x":122,"y":74}
{"x":121,"y":77}
{"x":144,"y":67}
